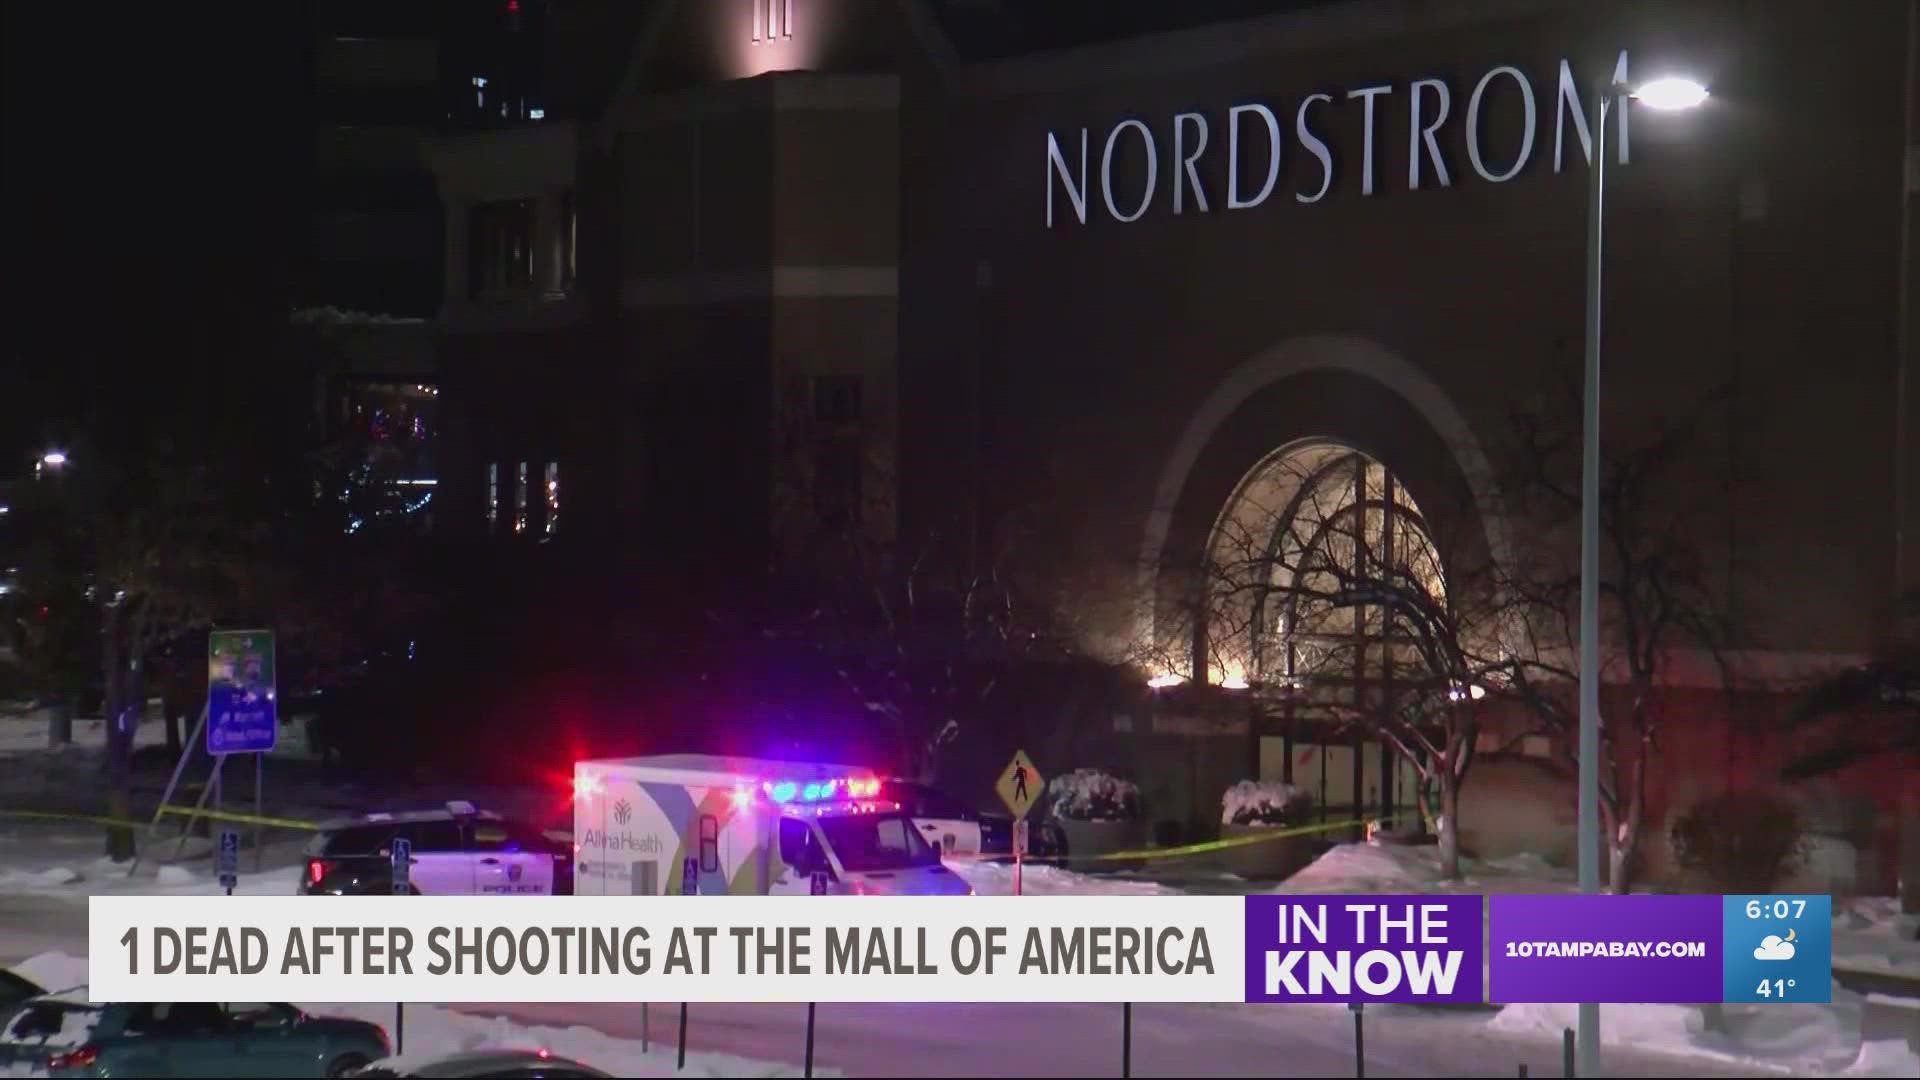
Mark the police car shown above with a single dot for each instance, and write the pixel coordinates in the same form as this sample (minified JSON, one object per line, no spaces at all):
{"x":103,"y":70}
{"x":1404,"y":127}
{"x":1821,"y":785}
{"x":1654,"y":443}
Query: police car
{"x":457,"y":851}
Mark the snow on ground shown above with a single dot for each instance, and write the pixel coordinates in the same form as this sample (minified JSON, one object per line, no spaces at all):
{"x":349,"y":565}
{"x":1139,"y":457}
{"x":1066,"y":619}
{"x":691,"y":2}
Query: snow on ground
{"x":1797,"y":1039}
{"x":1871,"y":934}
{"x":1366,"y":868}
{"x":432,"y":1032}
{"x":996,"y":879}
{"x":101,"y":876}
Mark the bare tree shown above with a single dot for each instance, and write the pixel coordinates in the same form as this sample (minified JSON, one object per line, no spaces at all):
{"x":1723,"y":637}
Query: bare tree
{"x":916,"y":635}
{"x":1656,"y":599}
{"x":1322,"y":589}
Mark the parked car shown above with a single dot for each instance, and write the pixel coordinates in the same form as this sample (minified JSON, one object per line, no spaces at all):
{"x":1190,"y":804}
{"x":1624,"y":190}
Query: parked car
{"x":457,"y":851}
{"x":63,"y":1035}
{"x":16,"y":988}
{"x":484,"y":1065}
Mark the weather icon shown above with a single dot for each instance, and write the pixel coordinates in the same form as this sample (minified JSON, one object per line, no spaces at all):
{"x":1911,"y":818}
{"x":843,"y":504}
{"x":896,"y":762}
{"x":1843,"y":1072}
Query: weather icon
{"x":1775,"y":947}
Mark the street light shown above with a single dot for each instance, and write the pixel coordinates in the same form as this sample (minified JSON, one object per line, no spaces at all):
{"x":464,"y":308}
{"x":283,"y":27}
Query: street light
{"x":1668,"y":95}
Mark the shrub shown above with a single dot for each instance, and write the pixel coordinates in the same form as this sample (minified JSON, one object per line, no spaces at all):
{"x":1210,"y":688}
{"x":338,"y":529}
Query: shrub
{"x":1740,"y":841}
{"x":1093,"y":795}
{"x":1262,"y":802}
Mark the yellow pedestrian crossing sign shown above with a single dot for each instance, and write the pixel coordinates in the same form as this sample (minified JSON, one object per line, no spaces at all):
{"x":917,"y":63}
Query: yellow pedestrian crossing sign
{"x":1020,"y":784}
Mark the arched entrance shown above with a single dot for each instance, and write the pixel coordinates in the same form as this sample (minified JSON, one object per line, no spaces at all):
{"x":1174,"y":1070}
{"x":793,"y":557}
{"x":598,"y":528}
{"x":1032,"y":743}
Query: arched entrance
{"x":1301,"y":561}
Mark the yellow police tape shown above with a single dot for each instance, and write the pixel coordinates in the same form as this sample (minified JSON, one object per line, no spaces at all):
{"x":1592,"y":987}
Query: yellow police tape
{"x":180,"y":811}
{"x":243,"y":819}
{"x":1215,"y":845}
{"x":91,"y":819}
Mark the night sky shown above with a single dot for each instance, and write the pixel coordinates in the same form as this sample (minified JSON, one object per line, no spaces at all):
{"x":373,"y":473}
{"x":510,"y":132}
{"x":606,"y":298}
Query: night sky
{"x":154,"y":162}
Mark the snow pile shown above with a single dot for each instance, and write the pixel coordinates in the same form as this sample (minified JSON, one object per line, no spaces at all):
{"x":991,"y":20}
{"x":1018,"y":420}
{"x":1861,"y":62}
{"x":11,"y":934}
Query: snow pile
{"x":1799,"y":1038}
{"x":1093,"y":795}
{"x":432,"y":1031}
{"x":54,"y":971}
{"x":1872,"y":934}
{"x":1884,"y":1057}
{"x":1365,"y":868}
{"x":996,"y":879}
{"x":1260,"y":802}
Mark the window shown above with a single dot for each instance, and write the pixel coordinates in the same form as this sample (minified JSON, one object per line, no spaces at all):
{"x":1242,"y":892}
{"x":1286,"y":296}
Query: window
{"x":771,"y":19}
{"x":493,"y":496}
{"x":520,"y":498}
{"x":796,"y":845}
{"x":709,"y":844}
{"x":552,"y":488}
{"x":870,"y":842}
{"x":501,"y":247}
{"x":435,"y":836}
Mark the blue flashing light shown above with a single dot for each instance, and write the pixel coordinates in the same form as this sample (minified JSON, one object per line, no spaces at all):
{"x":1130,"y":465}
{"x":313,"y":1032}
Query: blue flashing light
{"x":781,"y":792}
{"x":810,"y":792}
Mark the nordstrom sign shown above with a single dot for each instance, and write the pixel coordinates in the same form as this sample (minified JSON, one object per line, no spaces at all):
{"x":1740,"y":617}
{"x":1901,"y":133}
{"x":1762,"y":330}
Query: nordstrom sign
{"x":1255,"y":148}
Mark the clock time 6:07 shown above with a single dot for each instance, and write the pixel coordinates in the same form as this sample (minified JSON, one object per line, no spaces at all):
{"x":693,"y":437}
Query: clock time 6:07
{"x":1777,"y":909}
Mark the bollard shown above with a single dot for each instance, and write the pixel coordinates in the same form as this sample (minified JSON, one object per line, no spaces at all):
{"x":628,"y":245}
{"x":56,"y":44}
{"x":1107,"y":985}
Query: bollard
{"x":809,"y":1038}
{"x":683,"y":1036}
{"x":1126,"y":1039}
{"x":1359,"y":1043}
{"x":1566,"y":1053}
{"x":1523,"y":1071}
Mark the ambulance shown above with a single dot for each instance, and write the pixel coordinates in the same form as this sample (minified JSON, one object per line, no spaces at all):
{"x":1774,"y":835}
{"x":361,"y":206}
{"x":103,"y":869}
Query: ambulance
{"x":679,"y":824}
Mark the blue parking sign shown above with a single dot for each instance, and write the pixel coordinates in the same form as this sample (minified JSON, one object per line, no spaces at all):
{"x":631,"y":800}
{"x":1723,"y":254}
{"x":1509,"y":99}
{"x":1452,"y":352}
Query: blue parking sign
{"x":229,"y":859}
{"x":402,"y":866}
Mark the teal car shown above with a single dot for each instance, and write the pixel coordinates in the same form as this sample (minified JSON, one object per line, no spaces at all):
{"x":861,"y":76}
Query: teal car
{"x":64,"y":1035}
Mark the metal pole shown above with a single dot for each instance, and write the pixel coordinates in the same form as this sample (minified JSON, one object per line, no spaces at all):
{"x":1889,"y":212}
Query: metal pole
{"x":1589,"y":820}
{"x":1566,"y":1053}
{"x":166,"y":797}
{"x":1359,"y":1042}
{"x":259,"y":833}
{"x":1126,"y":1038}
{"x":683,"y":1036}
{"x":1017,"y":858}
{"x":399,"y":1027}
{"x":809,"y":1063}
{"x":646,"y":1030}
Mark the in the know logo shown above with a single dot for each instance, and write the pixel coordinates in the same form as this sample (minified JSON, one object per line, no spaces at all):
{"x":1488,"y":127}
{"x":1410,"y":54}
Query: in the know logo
{"x":1383,"y":948}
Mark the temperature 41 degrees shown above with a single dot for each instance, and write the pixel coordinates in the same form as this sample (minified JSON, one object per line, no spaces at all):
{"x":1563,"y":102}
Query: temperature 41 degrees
{"x":1771,"y":988}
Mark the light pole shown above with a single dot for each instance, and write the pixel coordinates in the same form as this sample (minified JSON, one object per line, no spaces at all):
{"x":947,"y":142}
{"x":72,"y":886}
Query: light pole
{"x":1670,"y":94}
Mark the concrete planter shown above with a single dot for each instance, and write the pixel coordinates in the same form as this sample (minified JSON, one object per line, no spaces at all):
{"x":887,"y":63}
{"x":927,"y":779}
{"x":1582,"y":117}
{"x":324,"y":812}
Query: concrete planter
{"x":1268,"y":860}
{"x":1086,"y":839}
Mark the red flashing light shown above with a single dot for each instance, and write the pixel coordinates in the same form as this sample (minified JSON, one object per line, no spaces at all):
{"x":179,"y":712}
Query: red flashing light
{"x":513,"y":7}
{"x":80,"y":1058}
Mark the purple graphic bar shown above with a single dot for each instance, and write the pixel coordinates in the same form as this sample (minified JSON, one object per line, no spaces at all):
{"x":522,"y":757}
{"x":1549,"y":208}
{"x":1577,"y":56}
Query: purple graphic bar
{"x":1364,"y":948}
{"x":1604,"y":949}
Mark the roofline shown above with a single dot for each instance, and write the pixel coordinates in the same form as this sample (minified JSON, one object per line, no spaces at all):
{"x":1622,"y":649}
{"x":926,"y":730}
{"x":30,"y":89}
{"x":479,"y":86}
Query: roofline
{"x":1179,"y":51}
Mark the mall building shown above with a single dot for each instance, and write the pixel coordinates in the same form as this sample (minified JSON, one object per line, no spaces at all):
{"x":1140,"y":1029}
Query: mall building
{"x":1156,"y":292}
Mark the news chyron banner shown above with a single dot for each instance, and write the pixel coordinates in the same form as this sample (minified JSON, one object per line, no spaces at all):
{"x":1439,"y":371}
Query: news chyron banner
{"x":1268,"y":948}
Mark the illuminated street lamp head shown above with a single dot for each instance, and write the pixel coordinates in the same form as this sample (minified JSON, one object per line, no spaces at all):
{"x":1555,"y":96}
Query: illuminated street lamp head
{"x":1671,"y":94}
{"x":53,"y":459}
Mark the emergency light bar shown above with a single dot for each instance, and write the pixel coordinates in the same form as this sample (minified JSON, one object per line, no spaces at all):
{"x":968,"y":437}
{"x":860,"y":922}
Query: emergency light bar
{"x":810,"y":791}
